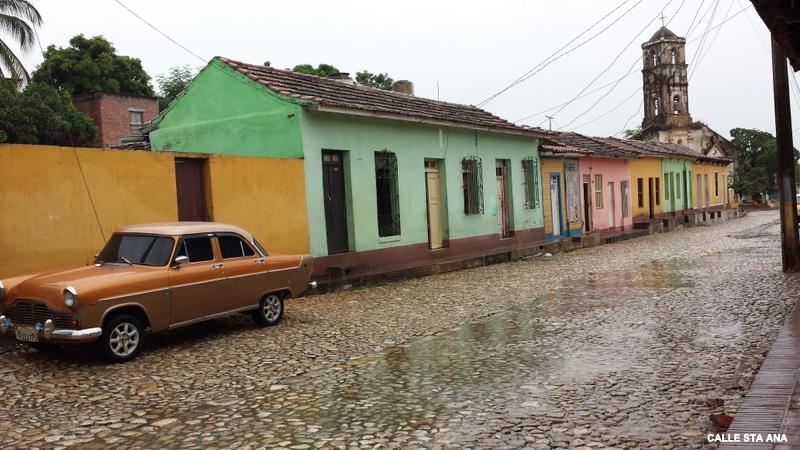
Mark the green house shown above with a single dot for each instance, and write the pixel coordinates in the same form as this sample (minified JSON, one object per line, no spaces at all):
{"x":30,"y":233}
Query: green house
{"x":392,"y":180}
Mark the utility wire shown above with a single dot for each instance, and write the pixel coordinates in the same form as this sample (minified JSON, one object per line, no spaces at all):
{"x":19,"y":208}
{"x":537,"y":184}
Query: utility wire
{"x":162,"y":33}
{"x":710,"y":43}
{"x":635,"y":91}
{"x":691,"y":25}
{"x":616,"y":58}
{"x":703,"y":39}
{"x":552,"y":58}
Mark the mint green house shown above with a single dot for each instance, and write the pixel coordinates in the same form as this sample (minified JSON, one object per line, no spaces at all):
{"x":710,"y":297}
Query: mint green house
{"x":392,"y":181}
{"x":677,"y":176}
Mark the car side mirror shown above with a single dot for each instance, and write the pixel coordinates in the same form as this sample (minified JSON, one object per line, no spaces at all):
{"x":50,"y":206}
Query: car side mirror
{"x":180,"y":261}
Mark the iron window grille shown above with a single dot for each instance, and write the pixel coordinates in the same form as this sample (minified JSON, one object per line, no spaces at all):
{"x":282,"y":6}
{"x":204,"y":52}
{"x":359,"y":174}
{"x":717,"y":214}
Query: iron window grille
{"x":472,"y":178}
{"x":640,"y":192}
{"x":388,"y":194}
{"x":530,"y":172}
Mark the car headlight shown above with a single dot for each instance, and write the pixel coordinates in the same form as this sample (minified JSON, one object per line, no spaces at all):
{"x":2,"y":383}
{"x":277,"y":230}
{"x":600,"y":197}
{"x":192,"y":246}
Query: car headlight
{"x":70,"y":297}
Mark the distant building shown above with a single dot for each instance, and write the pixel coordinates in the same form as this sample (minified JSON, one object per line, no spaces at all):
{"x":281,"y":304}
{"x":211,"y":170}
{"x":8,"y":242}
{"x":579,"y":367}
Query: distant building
{"x":117,"y":116}
{"x":666,"y":99}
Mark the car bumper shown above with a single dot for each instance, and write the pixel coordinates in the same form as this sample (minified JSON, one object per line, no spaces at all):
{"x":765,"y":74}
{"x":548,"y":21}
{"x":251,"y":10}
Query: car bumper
{"x":49,"y":333}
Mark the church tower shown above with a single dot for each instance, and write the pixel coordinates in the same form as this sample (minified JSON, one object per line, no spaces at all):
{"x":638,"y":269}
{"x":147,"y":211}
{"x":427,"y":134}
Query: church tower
{"x":666,"y":85}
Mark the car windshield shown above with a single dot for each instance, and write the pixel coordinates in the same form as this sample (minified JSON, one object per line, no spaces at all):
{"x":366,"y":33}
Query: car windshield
{"x":137,"y":249}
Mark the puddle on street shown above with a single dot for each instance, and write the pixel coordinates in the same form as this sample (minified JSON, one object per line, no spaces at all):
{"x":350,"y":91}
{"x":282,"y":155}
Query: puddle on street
{"x":499,"y":360}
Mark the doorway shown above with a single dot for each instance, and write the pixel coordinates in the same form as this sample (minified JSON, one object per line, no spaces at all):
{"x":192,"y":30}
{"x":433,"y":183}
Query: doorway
{"x":555,"y":204}
{"x":650,"y":198}
{"x":587,"y":204}
{"x":191,"y":189}
{"x":707,"y":193}
{"x":333,"y":190}
{"x":611,"y":206}
{"x":433,"y":193}
{"x":503,"y":217}
{"x":699,"y":192}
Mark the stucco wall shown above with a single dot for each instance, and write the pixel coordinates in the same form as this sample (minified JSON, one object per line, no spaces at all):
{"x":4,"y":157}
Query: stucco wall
{"x":645,"y":169}
{"x":715,"y":198}
{"x":613,"y":170}
{"x":224,"y":112}
{"x":360,"y":137}
{"x":265,"y":196}
{"x":675,"y":198}
{"x":48,"y":218}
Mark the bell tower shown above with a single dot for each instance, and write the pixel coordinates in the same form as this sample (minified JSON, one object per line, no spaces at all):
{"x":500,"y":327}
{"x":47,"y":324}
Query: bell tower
{"x":666,"y":84}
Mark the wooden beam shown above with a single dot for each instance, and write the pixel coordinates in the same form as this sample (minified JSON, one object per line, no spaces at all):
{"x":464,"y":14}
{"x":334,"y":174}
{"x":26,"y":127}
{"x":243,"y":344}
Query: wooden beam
{"x":790,"y":250}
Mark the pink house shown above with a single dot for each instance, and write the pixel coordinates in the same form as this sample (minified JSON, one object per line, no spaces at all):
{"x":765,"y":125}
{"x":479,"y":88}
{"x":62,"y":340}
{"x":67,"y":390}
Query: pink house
{"x":605,"y":175}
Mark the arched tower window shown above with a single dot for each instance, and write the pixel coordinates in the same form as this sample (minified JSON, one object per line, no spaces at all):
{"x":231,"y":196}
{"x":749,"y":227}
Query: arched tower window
{"x":654,"y":58}
{"x":655,"y":106}
{"x":674,"y":55}
{"x":676,"y":104}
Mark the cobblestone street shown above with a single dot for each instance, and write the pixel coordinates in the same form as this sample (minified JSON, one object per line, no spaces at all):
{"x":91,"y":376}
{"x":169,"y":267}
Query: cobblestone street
{"x":627,"y":345}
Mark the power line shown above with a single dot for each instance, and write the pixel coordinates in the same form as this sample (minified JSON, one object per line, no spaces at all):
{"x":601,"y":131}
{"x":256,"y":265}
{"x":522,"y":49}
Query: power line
{"x":704,"y":37}
{"x":550,"y":59}
{"x":635,"y":91}
{"x":710,"y":43}
{"x":616,"y":58}
{"x":162,"y":33}
{"x":624,"y":127}
{"x":691,"y":25}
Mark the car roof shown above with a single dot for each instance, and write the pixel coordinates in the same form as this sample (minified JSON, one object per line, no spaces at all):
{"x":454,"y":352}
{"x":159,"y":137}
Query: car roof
{"x":182,"y":228}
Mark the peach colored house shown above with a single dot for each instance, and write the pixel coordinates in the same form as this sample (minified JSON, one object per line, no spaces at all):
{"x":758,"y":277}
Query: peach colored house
{"x":606,"y":186}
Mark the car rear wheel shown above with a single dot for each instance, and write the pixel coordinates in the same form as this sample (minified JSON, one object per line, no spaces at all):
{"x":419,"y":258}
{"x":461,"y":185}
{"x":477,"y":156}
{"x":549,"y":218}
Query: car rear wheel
{"x":121,"y":339}
{"x":270,"y":310}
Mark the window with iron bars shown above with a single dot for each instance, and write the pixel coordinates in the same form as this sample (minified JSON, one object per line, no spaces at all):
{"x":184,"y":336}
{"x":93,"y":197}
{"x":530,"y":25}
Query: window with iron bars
{"x":471,"y":170}
{"x":530,"y":173}
{"x":388,"y":194}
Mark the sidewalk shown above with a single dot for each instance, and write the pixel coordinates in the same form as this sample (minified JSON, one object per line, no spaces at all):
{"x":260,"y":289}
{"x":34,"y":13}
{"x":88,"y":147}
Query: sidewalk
{"x":772,"y":405}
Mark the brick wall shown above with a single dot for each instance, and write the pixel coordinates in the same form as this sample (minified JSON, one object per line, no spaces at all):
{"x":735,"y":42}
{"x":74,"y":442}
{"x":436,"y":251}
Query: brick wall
{"x":109,"y":112}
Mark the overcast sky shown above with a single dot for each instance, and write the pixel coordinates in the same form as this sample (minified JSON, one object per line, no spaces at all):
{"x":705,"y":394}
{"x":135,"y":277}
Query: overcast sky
{"x":472,"y":49}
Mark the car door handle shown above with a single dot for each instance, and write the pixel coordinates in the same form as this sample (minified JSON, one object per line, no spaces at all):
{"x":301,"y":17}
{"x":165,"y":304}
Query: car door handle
{"x":217,"y":266}
{"x":260,"y":261}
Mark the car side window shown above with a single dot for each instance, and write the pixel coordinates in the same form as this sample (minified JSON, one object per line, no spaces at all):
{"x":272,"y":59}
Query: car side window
{"x":197,"y":249}
{"x":234,"y":247}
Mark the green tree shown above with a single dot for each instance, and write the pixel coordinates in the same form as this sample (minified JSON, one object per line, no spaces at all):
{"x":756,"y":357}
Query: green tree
{"x":92,"y":65}
{"x":632,"y":132}
{"x":757,"y":167}
{"x":173,"y":83}
{"x":42,"y":115}
{"x":379,"y":81}
{"x":322,"y":70}
{"x":18,"y":18}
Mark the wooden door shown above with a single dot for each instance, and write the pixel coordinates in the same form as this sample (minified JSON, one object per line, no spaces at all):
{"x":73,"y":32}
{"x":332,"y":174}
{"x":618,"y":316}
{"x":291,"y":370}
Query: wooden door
{"x":502,"y":204}
{"x":587,"y":204}
{"x":611,"y":205}
{"x":433,"y":192}
{"x":190,"y":187}
{"x":650,"y":198}
{"x":335,"y":201}
{"x":707,"y":192}
{"x":555,"y":205}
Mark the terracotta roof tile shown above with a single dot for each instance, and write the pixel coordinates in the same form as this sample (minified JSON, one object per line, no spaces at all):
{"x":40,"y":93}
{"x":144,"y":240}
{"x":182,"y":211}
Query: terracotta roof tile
{"x":336,"y":94}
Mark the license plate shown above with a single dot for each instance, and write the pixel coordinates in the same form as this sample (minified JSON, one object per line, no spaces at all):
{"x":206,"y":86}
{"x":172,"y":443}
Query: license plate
{"x":27,"y":334}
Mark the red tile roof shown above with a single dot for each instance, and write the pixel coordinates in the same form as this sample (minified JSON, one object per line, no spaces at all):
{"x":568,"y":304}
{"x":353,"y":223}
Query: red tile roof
{"x":339,"y":95}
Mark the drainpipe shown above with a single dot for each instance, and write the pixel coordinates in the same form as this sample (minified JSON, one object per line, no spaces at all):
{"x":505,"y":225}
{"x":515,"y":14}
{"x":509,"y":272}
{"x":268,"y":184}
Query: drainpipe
{"x":786,"y":188}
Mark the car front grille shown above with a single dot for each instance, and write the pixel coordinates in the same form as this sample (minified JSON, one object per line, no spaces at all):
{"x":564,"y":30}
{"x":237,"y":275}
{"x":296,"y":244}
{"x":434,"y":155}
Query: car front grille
{"x":28,"y":312}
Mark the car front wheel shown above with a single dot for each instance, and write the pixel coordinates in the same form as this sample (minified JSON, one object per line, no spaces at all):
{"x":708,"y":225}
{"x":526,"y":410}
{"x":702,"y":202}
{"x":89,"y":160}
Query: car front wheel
{"x":270,"y":310}
{"x":121,"y":339}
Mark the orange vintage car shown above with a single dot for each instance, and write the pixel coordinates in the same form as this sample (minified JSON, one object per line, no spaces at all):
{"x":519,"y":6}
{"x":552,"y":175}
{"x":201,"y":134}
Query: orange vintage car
{"x":152,"y":277}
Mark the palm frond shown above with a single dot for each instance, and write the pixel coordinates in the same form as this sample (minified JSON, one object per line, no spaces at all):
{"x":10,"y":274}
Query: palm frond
{"x":22,"y":9}
{"x":19,"y":30}
{"x":10,"y":61}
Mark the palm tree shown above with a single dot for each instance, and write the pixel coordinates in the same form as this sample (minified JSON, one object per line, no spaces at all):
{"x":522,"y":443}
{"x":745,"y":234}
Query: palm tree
{"x":18,"y":18}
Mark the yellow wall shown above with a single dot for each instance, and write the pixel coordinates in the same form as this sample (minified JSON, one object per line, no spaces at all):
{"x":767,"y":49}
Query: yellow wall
{"x":709,"y":169}
{"x":48,"y":220}
{"x":555,"y":166}
{"x":264,"y":196}
{"x":645,"y":168}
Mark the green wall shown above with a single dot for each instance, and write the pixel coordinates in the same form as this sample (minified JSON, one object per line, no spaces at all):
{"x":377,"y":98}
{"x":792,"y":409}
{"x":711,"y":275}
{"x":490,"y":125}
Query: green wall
{"x":225,"y":112}
{"x":360,"y":137}
{"x":677,"y":197}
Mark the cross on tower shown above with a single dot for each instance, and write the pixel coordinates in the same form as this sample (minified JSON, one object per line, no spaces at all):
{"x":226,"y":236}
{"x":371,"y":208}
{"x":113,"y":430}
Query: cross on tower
{"x":662,"y":19}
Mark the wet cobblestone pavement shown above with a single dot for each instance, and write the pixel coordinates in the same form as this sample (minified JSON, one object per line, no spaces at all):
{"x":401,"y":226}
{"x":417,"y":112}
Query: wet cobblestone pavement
{"x":627,"y":345}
